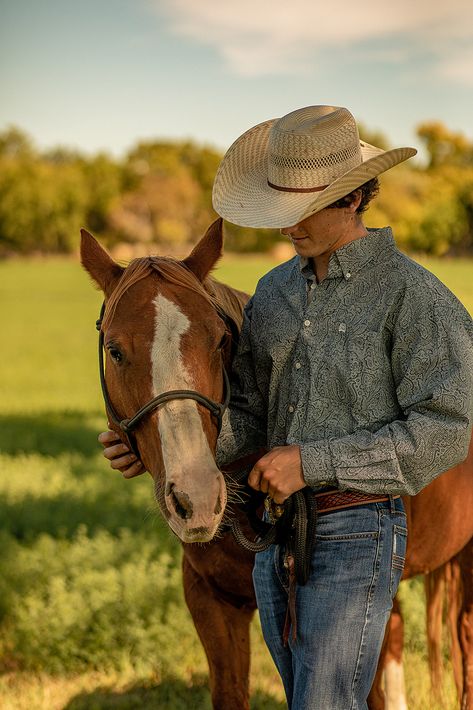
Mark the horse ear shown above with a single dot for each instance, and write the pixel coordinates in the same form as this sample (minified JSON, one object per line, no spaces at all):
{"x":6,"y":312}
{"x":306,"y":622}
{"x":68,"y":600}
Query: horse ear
{"x":207,"y":251}
{"x":99,"y":264}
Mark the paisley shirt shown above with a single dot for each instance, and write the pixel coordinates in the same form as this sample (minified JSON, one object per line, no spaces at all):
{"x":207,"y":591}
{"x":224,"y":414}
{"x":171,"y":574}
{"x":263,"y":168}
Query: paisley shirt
{"x":369,"y":371}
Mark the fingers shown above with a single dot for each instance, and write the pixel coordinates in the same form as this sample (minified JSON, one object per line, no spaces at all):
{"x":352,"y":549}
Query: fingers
{"x":119,"y":455}
{"x":257,"y":478}
{"x":278,"y":498}
{"x":119,"y":462}
{"x":136,"y":469}
{"x":278,"y":473}
{"x":254,"y":478}
{"x":108,"y":437}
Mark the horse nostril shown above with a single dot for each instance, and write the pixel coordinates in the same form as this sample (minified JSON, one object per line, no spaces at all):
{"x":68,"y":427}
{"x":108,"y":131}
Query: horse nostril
{"x":218,"y":507}
{"x":181,"y":501}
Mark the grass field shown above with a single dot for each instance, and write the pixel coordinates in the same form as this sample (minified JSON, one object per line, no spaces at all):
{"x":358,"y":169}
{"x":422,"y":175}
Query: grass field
{"x":91,"y":608}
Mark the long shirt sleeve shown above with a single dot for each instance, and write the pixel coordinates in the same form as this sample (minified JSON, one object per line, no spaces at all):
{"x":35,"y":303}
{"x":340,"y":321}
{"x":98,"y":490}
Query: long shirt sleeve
{"x":432,"y":365}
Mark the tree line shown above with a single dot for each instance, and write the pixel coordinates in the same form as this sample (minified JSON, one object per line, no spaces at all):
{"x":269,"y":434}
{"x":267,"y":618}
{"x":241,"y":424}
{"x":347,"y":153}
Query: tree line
{"x":159,"y":194}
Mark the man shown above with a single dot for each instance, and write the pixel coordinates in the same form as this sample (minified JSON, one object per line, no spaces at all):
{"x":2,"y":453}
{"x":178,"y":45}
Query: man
{"x":354,"y":371}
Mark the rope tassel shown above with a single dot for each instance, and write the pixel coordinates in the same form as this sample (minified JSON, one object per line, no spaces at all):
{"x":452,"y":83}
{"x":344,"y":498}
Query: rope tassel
{"x":290,"y":623}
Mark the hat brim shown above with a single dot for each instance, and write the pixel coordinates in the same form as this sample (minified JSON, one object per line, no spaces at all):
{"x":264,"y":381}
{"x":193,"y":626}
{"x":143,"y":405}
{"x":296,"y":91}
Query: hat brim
{"x":241,"y":193}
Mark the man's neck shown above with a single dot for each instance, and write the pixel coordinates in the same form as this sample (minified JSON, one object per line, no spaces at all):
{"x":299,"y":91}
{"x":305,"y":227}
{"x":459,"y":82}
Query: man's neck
{"x":320,"y":263}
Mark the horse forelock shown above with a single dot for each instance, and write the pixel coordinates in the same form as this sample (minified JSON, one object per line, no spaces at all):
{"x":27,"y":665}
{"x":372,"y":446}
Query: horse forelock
{"x":175,"y":272}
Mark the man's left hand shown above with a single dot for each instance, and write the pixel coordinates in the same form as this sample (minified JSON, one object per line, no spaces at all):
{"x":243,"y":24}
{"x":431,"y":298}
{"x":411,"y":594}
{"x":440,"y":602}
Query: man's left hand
{"x":278,"y":473}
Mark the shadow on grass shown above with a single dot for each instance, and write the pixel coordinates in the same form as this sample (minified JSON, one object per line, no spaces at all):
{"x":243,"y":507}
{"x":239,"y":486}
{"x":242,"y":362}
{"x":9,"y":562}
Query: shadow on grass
{"x":171,"y":694}
{"x":49,"y":433}
{"x":62,"y":515}
{"x":106,"y":501}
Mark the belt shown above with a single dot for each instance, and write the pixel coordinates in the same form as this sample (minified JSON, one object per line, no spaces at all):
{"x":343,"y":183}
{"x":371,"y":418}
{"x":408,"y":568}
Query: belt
{"x":327,"y":501}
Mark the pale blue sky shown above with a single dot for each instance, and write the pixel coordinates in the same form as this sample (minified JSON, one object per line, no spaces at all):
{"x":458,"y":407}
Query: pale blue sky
{"x":100,"y":74}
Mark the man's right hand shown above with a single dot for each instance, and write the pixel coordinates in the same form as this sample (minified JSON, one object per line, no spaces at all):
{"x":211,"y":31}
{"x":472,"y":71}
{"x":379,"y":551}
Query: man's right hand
{"x":120,"y":456}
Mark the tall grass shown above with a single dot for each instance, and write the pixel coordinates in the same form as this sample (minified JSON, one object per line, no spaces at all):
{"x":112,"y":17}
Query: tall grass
{"x":91,"y":605}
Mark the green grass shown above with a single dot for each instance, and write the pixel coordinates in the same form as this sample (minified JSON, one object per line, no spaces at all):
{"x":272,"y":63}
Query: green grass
{"x":91,"y":602}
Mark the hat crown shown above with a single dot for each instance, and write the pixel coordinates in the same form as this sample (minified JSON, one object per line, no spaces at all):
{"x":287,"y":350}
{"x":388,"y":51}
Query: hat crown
{"x":310,"y":148}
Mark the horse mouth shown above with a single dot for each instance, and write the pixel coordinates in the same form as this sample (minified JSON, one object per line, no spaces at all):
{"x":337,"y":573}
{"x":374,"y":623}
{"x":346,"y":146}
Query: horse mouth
{"x":192,"y":535}
{"x":188,"y":518}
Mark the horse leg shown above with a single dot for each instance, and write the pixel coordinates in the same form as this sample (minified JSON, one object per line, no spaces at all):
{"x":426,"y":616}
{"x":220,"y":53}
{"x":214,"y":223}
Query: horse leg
{"x":394,"y":686}
{"x":453,"y":581}
{"x":376,"y":695}
{"x":465,"y":624}
{"x":224,"y":631}
{"x":390,"y":667}
{"x":434,"y":585}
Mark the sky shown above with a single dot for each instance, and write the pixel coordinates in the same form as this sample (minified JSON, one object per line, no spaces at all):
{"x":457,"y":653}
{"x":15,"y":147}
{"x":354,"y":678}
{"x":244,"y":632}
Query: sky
{"x":103,"y":74}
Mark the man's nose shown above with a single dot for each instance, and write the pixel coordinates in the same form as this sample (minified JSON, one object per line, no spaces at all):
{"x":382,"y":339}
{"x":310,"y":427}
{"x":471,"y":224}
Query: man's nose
{"x":289,"y":231}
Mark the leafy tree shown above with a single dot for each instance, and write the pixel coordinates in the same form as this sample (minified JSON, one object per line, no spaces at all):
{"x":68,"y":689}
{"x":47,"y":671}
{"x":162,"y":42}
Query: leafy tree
{"x":163,"y":209}
{"x":445,"y":147}
{"x":15,"y":144}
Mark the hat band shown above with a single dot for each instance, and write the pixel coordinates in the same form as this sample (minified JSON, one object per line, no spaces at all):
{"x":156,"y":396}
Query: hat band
{"x":296,"y":189}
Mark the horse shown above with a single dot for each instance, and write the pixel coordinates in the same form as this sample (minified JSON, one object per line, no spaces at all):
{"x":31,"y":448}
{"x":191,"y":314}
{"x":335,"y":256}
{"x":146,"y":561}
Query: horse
{"x":167,"y":340}
{"x":440,"y":525}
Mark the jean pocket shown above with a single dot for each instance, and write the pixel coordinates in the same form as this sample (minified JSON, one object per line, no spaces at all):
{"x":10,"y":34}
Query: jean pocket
{"x":398,"y":557}
{"x":348,"y":536}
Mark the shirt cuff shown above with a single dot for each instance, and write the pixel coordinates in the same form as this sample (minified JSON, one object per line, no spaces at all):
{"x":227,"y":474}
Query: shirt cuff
{"x":317,"y":466}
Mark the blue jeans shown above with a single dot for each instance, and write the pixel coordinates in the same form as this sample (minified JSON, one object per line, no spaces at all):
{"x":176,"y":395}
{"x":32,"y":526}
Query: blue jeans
{"x":343,"y":609}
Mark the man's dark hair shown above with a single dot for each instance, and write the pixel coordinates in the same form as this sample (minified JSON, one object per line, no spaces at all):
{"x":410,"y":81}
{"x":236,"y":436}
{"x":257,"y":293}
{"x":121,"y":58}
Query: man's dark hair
{"x":369,"y":190}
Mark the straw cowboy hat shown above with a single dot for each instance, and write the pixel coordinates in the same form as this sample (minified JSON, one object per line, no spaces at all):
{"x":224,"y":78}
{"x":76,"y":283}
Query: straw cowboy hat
{"x":284,"y":170}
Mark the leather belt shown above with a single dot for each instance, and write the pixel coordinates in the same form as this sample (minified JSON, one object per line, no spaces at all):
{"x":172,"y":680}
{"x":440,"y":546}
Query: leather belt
{"x":327,"y":501}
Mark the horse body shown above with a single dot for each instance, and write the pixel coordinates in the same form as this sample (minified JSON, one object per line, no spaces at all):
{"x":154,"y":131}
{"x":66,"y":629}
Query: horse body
{"x":162,"y":331}
{"x":440,"y":519}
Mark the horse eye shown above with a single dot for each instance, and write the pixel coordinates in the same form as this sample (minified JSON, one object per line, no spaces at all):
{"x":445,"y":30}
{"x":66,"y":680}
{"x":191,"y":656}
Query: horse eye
{"x":115,"y":353}
{"x":223,"y":341}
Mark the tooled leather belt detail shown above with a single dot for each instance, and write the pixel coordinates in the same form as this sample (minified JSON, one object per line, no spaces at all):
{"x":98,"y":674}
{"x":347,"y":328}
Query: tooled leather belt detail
{"x":327,"y":501}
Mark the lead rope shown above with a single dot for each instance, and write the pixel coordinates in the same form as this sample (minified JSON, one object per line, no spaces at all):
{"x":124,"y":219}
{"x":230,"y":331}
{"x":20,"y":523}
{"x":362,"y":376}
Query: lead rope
{"x":296,"y":530}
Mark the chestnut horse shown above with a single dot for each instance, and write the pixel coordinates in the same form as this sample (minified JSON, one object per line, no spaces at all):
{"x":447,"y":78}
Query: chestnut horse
{"x":163,"y":331}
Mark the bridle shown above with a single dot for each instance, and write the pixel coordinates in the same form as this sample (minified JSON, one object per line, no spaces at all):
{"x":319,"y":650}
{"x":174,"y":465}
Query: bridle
{"x":127,"y":425}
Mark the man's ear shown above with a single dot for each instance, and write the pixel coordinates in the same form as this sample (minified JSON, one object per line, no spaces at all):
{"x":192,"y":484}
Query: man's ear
{"x":98,"y":263}
{"x":207,"y":251}
{"x":357,"y":196}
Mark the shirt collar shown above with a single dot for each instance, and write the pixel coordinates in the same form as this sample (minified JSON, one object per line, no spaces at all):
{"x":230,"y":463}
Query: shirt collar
{"x":356,"y":255}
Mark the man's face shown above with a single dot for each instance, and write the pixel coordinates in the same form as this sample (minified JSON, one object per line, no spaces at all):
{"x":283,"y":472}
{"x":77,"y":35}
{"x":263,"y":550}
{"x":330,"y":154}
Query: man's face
{"x":323,"y":232}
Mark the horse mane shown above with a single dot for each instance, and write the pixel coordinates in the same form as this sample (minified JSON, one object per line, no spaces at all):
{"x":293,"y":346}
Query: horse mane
{"x":229,"y":300}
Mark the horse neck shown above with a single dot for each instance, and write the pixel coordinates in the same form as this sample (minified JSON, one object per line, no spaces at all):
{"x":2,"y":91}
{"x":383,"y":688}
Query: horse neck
{"x":231,"y":300}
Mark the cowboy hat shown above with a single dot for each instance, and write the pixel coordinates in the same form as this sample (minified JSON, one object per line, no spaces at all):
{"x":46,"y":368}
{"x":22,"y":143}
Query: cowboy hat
{"x":284,"y":170}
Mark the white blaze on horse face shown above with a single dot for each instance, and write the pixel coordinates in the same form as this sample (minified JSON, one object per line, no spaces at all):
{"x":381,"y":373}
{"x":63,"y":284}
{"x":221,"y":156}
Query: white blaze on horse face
{"x":184,"y":445}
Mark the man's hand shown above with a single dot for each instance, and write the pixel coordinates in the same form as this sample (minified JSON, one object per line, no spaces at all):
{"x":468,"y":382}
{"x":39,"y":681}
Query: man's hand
{"x":119,"y":455}
{"x":278,"y":473}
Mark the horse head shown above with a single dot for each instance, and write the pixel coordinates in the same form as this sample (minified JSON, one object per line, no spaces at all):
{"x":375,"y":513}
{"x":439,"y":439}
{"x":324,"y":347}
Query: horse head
{"x":162,"y":332}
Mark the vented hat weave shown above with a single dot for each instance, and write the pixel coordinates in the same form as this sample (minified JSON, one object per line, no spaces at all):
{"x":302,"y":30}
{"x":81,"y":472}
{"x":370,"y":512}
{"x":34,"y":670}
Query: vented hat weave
{"x":282,"y":171}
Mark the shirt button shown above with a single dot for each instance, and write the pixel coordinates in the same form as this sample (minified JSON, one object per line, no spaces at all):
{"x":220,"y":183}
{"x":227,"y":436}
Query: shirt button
{"x":298,"y":366}
{"x":313,"y":285}
{"x":307,"y":322}
{"x":348,"y":275}
{"x":290,"y":408}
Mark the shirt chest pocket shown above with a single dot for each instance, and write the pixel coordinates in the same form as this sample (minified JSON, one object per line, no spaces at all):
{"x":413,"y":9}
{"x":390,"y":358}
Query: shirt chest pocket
{"x":369,"y":378}
{"x":367,"y":353}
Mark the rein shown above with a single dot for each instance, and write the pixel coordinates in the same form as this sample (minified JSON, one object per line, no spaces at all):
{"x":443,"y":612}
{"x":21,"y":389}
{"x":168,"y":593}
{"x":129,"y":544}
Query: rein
{"x":295,"y":527}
